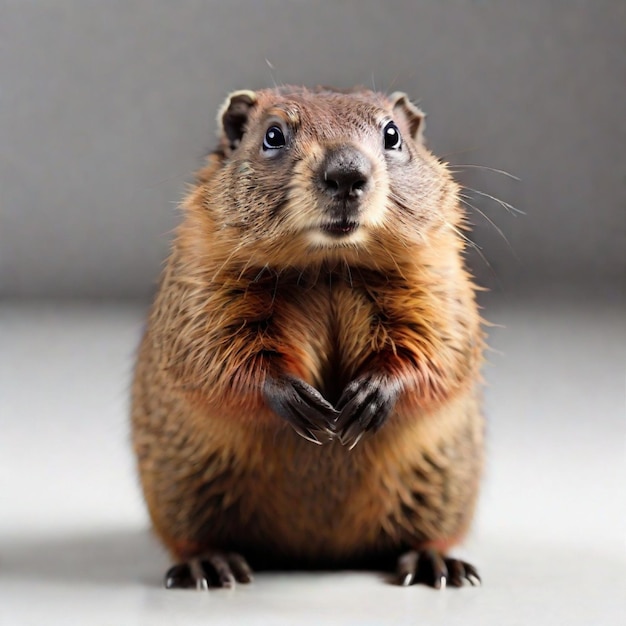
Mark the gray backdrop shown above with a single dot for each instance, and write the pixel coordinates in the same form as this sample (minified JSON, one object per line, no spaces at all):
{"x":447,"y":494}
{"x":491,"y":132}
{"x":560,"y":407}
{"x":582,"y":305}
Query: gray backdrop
{"x":107,"y":108}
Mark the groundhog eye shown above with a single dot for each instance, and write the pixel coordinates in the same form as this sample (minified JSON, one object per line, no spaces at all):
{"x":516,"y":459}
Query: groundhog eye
{"x":393,"y":141}
{"x":274,"y":138}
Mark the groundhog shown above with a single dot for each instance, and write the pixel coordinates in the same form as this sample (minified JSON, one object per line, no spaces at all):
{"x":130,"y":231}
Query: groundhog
{"x":307,"y":392}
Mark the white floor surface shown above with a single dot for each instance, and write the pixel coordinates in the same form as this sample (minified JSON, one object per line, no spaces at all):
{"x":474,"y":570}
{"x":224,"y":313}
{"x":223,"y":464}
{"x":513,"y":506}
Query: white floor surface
{"x":549,"y":539}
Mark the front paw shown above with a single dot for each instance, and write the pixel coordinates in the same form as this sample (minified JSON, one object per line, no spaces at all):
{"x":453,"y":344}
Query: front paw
{"x":364,"y":406}
{"x":308,"y":412}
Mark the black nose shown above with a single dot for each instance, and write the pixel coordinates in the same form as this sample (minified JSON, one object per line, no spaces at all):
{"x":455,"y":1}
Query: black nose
{"x":345,"y":173}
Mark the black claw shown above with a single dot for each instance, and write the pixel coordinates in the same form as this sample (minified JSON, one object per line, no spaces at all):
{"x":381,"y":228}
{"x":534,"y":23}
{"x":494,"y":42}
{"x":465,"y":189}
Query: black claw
{"x":210,"y":571}
{"x":308,"y":412}
{"x":364,"y":406}
{"x":222,"y":568}
{"x":456,"y":573}
{"x":305,"y":433}
{"x":407,"y":567}
{"x":202,"y":575}
{"x":178,"y":576}
{"x":471,"y":574}
{"x":438,"y":575}
{"x":429,"y":567}
{"x":241,"y":569}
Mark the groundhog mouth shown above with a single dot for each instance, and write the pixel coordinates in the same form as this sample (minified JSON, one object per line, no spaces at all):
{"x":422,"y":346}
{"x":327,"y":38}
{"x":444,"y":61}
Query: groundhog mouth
{"x":340,"y":229}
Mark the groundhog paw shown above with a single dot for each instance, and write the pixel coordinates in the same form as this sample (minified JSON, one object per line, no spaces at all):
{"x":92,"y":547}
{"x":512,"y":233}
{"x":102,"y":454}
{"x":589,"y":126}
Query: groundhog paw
{"x":364,"y":406}
{"x":211,"y":570}
{"x":302,"y":406}
{"x":429,"y":567}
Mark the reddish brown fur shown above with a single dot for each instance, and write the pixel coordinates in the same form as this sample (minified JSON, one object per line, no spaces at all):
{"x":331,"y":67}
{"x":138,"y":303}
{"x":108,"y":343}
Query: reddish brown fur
{"x":244,"y":295}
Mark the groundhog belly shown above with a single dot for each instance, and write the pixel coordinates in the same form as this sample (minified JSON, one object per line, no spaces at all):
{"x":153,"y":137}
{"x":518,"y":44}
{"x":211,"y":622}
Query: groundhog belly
{"x":304,"y":504}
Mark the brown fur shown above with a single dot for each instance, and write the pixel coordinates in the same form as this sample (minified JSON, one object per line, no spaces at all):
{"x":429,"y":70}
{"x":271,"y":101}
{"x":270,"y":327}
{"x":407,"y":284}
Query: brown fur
{"x":248,"y":293}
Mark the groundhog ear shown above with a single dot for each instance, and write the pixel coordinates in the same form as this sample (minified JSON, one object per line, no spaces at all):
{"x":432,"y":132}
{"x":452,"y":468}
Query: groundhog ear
{"x":233,"y":117}
{"x":413,"y":115}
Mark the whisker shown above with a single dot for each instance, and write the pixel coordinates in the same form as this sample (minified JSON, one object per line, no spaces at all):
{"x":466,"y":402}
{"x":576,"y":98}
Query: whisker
{"x":485,"y":167}
{"x":349,"y":273}
{"x":509,"y":207}
{"x":393,"y":259}
{"x":245,"y":267}
{"x":475,"y":247}
{"x":257,"y":278}
{"x":271,"y":68}
{"x":223,"y":265}
{"x":399,"y":202}
{"x":392,"y":84}
{"x":300,"y":275}
{"x":462,"y":235}
{"x":274,"y":292}
{"x":465,"y":201}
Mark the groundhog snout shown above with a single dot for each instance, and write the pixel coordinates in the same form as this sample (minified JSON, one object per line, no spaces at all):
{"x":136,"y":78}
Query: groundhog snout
{"x":345,"y":175}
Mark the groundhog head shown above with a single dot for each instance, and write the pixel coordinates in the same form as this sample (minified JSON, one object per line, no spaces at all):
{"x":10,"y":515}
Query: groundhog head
{"x":326,"y":174}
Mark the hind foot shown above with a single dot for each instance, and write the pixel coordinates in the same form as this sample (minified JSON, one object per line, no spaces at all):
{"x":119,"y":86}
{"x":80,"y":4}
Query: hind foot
{"x":431,"y":568}
{"x":215,"y":569}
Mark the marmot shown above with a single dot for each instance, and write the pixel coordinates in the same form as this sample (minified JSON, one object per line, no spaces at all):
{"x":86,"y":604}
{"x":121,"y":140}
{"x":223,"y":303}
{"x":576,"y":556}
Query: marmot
{"x":307,"y":392}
